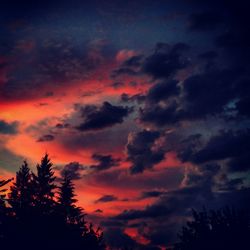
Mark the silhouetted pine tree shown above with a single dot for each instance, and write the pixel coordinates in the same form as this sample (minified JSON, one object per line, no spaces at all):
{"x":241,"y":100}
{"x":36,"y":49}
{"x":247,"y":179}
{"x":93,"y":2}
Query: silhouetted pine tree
{"x":79,"y":233}
{"x":34,"y":219}
{"x":43,"y":183}
{"x":20,"y":197}
{"x":70,"y":211}
{"x":94,"y":238}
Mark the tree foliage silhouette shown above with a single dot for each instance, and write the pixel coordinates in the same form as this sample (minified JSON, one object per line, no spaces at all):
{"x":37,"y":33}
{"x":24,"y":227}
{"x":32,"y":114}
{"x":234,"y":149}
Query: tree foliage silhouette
{"x":20,"y":196}
{"x":44,"y":183}
{"x":33,"y":217}
{"x":218,"y":229}
{"x":67,"y":201}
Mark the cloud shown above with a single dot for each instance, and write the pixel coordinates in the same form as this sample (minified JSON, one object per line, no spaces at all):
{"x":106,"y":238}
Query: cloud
{"x":131,"y":66}
{"x":175,"y":202}
{"x":162,"y":91}
{"x":73,"y":170}
{"x":98,"y":211}
{"x":105,"y":162}
{"x":160,"y":115}
{"x":8,"y":128}
{"x":50,"y":65}
{"x":203,"y":95}
{"x":163,"y":219}
{"x":141,"y":153}
{"x":134,"y":61}
{"x":151,"y":194}
{"x":165,"y":61}
{"x":104,"y":116}
{"x":46,"y":138}
{"x":168,"y":178}
{"x":228,"y":145}
{"x":106,"y":198}
{"x":208,"y":93}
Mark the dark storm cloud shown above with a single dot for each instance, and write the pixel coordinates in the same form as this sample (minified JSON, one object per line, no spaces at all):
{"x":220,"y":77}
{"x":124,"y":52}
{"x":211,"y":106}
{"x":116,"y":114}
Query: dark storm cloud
{"x":231,"y":19}
{"x":134,"y":61}
{"x":102,"y":141}
{"x":160,"y":115}
{"x":73,"y":170}
{"x":140,"y":151}
{"x":104,"y":162}
{"x":177,"y":202}
{"x":202,"y":176}
{"x":106,"y":198}
{"x":163,"y":90}
{"x":197,"y":190}
{"x":151,"y":194}
{"x":165,"y":61}
{"x":99,"y":117}
{"x":8,"y":128}
{"x":45,"y":138}
{"x":228,"y":145}
{"x":205,"y":21}
{"x":206,"y":94}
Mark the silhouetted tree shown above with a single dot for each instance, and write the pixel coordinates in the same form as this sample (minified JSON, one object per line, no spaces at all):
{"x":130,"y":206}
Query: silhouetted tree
{"x":35,"y":219}
{"x":67,"y":201}
{"x":222,"y":229}
{"x":43,"y":183}
{"x":75,"y":218}
{"x":20,"y":197}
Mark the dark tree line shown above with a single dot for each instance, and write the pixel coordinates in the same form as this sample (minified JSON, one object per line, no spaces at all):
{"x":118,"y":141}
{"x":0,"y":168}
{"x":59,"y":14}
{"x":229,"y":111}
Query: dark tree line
{"x":36,"y":214}
{"x":221,"y":229}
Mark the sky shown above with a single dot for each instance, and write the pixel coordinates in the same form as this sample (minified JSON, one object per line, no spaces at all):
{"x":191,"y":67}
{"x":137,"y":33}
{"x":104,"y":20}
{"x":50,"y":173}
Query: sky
{"x":145,"y":103}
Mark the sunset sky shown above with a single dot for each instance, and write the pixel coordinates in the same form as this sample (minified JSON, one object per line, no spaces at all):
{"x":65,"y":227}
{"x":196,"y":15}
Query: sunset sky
{"x":146,"y":103}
